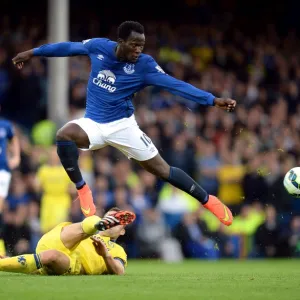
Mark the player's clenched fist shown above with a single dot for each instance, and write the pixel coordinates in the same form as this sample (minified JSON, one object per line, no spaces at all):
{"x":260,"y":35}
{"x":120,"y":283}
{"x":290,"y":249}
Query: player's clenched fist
{"x":225,"y":103}
{"x":21,"y":57}
{"x":100,"y":246}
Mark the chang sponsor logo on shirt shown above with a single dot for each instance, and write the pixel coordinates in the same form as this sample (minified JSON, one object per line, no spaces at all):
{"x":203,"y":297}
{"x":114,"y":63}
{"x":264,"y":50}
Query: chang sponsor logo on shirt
{"x":106,"y":79}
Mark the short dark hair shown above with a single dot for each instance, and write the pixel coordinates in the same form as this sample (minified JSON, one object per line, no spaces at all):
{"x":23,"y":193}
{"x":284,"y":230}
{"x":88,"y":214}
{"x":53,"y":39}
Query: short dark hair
{"x":125,"y":29}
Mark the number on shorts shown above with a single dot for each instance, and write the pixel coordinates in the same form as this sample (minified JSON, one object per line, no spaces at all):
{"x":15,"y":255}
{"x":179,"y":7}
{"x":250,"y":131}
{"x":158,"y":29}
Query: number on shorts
{"x":146,"y":140}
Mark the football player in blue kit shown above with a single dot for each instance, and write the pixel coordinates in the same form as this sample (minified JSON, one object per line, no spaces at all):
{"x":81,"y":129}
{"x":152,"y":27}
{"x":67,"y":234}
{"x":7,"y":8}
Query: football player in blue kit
{"x":9,"y":160}
{"x":119,"y":70}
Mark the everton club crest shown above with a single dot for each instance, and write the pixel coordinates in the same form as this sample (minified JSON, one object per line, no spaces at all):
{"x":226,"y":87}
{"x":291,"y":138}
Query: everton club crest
{"x":129,"y":68}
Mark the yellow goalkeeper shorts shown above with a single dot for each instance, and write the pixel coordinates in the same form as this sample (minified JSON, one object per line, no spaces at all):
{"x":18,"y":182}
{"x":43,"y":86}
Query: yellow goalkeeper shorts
{"x":52,"y":241}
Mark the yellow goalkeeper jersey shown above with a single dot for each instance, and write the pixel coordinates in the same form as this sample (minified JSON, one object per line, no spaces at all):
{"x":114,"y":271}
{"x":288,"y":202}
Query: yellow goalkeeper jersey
{"x":94,"y":264}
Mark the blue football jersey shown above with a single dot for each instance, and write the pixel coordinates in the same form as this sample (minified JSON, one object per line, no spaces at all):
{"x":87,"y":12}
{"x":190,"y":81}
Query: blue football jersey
{"x":112,"y":83}
{"x":6,"y":134}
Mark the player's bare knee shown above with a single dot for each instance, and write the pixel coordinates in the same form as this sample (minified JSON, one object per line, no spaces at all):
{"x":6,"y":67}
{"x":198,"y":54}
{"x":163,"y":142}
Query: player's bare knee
{"x":65,"y":134}
{"x":73,"y":132}
{"x":49,"y":257}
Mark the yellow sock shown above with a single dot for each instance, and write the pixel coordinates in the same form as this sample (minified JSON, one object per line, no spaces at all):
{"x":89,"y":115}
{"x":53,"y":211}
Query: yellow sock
{"x":88,"y":224}
{"x":2,"y":248}
{"x":27,"y":263}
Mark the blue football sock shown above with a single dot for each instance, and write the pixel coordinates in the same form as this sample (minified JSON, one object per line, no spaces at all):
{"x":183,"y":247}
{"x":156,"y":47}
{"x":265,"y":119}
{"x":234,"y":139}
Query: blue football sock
{"x":68,"y":154}
{"x":184,"y":182}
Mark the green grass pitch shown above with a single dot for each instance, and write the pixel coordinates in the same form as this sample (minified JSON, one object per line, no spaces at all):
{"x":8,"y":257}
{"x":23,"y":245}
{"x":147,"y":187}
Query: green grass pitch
{"x":226,"y":280}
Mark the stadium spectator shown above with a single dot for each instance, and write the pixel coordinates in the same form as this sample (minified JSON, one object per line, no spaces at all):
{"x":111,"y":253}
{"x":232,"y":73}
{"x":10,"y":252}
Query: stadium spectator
{"x":267,"y":236}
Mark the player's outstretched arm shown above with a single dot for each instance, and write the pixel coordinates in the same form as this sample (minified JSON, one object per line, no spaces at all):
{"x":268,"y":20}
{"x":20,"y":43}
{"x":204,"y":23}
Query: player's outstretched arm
{"x":154,"y":75}
{"x":114,"y":266}
{"x":51,"y":50}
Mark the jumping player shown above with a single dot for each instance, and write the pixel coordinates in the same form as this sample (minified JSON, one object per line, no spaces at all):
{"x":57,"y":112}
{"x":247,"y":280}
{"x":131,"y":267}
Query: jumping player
{"x":118,"y":71}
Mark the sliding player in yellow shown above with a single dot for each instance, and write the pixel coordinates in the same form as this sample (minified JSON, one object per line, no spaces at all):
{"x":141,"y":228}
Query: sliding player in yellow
{"x":77,"y":248}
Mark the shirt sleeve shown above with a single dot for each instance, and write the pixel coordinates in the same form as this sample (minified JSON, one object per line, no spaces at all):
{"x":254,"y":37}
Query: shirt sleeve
{"x":91,"y":44}
{"x":155,"y":75}
{"x":61,"y":49}
{"x":121,"y":261}
{"x":120,"y":255}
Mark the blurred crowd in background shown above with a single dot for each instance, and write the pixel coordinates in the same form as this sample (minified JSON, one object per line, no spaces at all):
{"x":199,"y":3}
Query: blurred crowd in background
{"x":240,"y":157}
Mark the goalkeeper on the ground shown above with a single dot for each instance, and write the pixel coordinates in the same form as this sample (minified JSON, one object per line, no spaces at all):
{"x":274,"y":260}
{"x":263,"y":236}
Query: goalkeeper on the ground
{"x":86,"y":248}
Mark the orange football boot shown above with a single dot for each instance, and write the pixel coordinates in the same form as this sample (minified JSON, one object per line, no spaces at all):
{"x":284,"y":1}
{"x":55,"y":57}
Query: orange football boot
{"x":87,"y":205}
{"x":220,"y":210}
{"x":122,"y":217}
